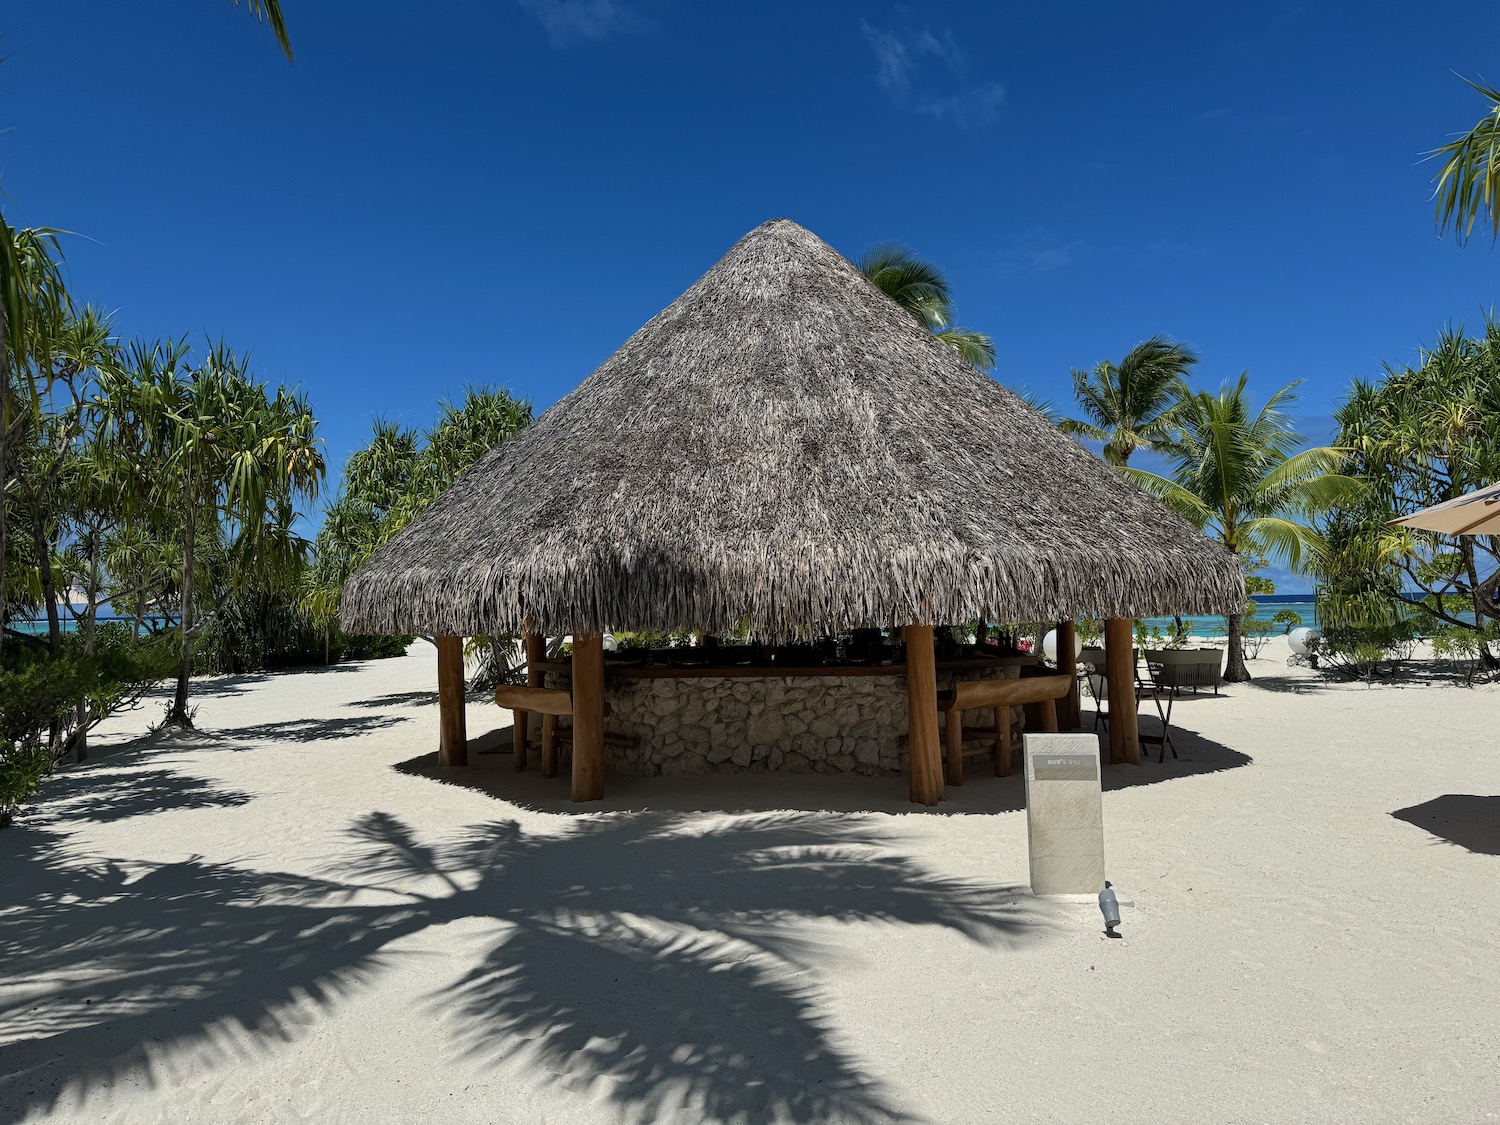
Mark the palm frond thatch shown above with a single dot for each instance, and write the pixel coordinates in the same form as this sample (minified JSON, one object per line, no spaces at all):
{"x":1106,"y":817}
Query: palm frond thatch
{"x":785,"y":446}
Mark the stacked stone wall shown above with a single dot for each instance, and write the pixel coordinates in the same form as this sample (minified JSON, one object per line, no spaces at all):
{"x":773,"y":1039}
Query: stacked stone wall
{"x":804,"y":724}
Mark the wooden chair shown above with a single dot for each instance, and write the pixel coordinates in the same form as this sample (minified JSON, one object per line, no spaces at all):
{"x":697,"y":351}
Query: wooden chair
{"x":1000,"y":695}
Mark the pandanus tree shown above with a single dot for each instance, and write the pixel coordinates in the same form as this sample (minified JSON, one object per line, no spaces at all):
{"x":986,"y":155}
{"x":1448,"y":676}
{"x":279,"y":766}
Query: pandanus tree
{"x":395,"y":476}
{"x":34,"y":304}
{"x":922,"y":290}
{"x":227,"y":458}
{"x":1129,"y":405}
{"x":1237,"y":474}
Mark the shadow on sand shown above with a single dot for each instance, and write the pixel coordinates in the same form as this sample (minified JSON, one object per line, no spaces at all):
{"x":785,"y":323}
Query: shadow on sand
{"x":1470,"y":821}
{"x":492,"y":771}
{"x":663,"y":955}
{"x":309,"y":730}
{"x":116,"y":788}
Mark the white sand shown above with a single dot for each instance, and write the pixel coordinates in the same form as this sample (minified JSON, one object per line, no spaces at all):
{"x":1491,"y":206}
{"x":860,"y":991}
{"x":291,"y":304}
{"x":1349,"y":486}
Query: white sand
{"x":218,"y":929}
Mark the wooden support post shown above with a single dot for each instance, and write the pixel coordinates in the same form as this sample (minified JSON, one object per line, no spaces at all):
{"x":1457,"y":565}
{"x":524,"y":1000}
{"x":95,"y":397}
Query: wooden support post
{"x":1069,"y":710}
{"x":1119,"y":670}
{"x":588,"y":716}
{"x":453,"y":739}
{"x":953,"y":756}
{"x":926,"y":759}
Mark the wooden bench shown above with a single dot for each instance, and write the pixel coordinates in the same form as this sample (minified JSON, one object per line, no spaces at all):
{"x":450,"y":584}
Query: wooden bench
{"x":1001,"y":695}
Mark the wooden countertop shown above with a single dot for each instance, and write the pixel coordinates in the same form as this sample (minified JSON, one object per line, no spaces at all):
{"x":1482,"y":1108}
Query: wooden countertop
{"x":618,"y":669}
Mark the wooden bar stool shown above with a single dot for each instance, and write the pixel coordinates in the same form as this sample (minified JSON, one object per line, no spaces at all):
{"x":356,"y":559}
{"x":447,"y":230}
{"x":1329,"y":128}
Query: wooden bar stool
{"x":1001,"y":695}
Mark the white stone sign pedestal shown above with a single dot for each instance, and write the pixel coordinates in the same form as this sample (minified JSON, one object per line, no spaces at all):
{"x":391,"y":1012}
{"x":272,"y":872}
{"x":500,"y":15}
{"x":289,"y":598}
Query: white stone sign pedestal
{"x":1064,"y":814}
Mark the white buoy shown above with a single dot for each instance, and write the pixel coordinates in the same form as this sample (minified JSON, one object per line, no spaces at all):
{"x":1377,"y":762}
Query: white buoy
{"x":1303,"y":639}
{"x":1049,"y":646}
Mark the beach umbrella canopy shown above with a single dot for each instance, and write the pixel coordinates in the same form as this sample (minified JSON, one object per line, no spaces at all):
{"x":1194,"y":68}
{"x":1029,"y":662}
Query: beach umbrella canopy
{"x":785,"y":449}
{"x":1474,"y":513}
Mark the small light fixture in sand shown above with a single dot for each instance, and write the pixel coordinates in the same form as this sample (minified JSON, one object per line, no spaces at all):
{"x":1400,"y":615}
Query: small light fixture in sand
{"x":1109,"y":905}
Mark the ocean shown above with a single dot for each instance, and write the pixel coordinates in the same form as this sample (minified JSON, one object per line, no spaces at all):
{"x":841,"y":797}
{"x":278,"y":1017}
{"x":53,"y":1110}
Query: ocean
{"x":1267,"y":606}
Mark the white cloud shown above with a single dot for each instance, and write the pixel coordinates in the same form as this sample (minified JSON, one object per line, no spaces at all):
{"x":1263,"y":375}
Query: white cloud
{"x":927,"y":72}
{"x":574,"y":21}
{"x":1039,"y":251}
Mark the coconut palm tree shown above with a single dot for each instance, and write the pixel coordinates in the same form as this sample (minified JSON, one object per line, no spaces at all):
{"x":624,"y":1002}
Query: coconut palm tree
{"x":1236,"y":474}
{"x":920,"y":288}
{"x":1129,"y":406}
{"x":1468,"y":183}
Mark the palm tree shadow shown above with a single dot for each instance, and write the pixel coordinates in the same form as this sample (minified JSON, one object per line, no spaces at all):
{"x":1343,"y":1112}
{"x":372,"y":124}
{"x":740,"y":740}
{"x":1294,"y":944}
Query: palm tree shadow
{"x":662,"y":958}
{"x":100,"y":792}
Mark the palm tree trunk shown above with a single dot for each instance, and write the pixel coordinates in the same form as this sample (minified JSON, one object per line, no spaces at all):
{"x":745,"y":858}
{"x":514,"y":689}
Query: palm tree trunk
{"x":49,"y":590}
{"x":1487,"y":659}
{"x":1235,"y":671}
{"x":178,"y":715}
{"x":91,"y":613}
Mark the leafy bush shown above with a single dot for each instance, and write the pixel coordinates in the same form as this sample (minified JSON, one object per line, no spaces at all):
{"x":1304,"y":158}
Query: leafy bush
{"x":1288,"y":619}
{"x":1256,"y":633}
{"x":1367,"y":651}
{"x":41,"y":693}
{"x":1463,"y":647}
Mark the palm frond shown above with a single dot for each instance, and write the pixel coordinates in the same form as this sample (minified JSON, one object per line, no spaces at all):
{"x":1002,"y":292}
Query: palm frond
{"x":269,"y":11}
{"x":1468,"y":183}
{"x":976,"y":348}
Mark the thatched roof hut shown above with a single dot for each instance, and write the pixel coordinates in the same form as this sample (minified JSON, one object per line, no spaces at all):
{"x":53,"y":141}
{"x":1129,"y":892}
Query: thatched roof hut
{"x":784,"y":444}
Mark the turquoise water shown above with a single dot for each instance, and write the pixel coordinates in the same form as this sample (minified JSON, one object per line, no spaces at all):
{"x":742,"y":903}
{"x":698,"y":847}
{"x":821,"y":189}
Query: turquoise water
{"x":69,"y":625}
{"x":1265,"y":608}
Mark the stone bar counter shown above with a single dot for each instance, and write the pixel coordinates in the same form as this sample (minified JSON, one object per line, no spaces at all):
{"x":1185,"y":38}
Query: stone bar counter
{"x":822,"y":718}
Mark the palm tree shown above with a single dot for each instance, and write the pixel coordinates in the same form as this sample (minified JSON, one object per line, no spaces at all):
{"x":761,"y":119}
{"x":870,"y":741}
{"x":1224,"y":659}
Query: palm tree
{"x":920,"y":288}
{"x":228,"y":459}
{"x":1129,"y":406}
{"x":1236,"y":476}
{"x":269,"y":11}
{"x":1469,"y":181}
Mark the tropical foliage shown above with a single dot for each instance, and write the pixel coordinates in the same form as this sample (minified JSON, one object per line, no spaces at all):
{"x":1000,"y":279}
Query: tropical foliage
{"x":922,"y":290}
{"x":1237,"y":473}
{"x":1419,"y":435}
{"x":393,"y":477}
{"x":1130,"y":405}
{"x":1468,"y":183}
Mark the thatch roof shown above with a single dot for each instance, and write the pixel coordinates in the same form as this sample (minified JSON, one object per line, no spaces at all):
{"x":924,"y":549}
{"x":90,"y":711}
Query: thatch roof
{"x":785,"y":444}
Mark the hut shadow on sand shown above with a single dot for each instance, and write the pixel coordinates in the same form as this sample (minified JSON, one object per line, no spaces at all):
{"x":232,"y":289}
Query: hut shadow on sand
{"x":659,"y":960}
{"x":491,"y":771}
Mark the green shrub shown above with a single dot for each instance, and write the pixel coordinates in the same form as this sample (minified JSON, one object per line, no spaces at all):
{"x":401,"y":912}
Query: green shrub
{"x":67,"y":693}
{"x":1367,"y":651}
{"x":1288,"y":619}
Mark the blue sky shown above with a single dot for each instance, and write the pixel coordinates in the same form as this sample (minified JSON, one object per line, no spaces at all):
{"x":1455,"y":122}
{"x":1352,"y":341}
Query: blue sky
{"x":463,"y":191}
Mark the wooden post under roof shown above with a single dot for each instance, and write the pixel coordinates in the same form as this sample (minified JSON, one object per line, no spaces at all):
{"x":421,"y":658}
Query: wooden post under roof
{"x":1069,"y":709}
{"x":1119,"y":670}
{"x":588,"y":716}
{"x":536,"y":652}
{"x":926,"y":758}
{"x":453,"y":739}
